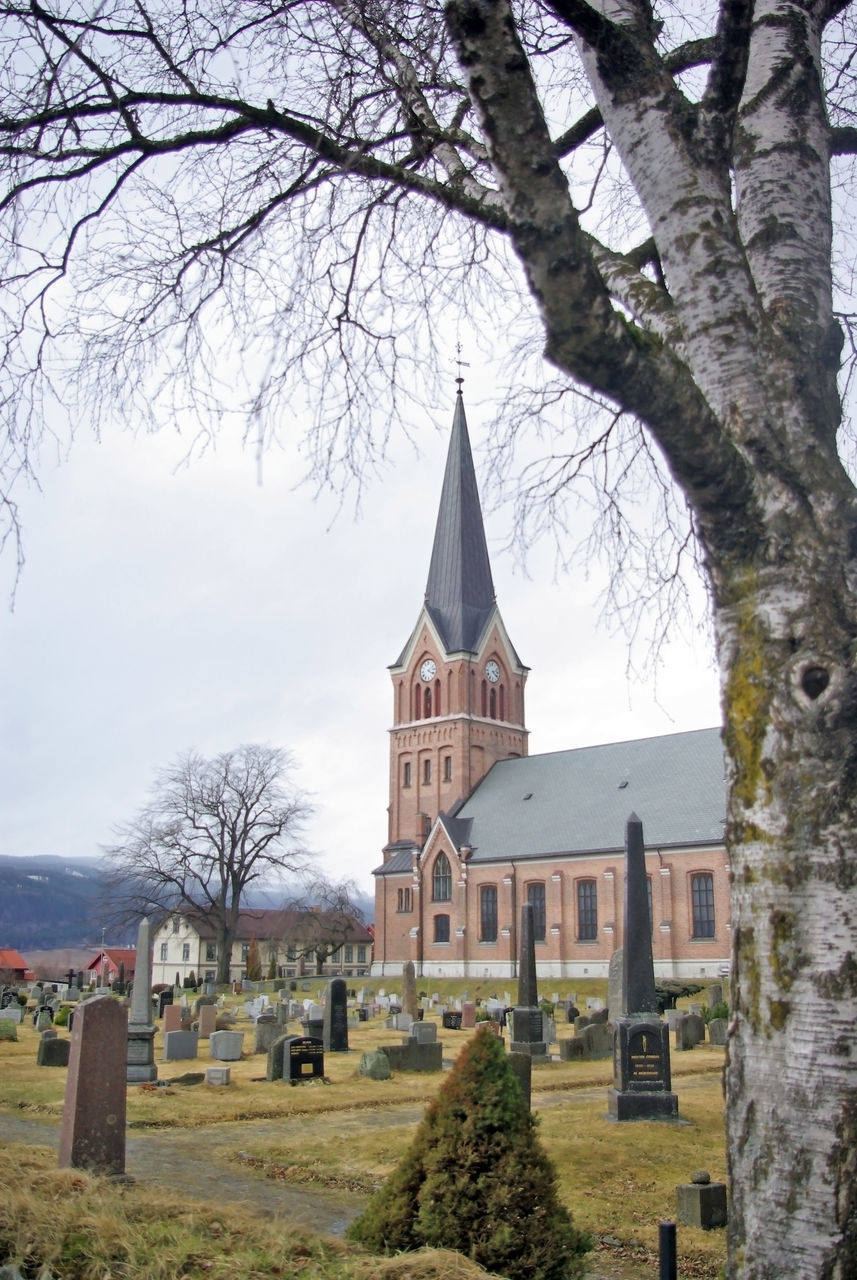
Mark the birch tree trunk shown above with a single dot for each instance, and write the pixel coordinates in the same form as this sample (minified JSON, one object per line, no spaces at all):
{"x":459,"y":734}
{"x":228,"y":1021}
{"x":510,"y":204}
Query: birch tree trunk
{"x":745,"y":406}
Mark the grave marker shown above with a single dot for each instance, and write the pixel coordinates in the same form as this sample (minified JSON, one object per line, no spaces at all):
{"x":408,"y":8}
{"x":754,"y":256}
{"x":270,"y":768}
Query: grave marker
{"x":335,"y":1018}
{"x":92,"y":1134}
{"x":140,"y":1053}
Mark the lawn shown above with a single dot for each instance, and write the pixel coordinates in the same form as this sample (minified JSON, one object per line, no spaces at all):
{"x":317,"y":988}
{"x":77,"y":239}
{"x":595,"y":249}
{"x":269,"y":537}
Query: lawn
{"x":618,"y":1180}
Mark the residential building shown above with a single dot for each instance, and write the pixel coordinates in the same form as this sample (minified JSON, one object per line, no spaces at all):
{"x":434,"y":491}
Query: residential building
{"x":301,"y":944}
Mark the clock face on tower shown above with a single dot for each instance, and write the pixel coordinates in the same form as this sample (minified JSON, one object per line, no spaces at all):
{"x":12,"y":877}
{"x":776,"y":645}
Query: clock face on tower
{"x":428,"y":670}
{"x":492,"y":671}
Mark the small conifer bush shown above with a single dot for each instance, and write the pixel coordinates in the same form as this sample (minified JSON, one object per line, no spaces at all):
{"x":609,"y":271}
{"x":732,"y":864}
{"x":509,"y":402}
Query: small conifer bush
{"x":476,"y":1179}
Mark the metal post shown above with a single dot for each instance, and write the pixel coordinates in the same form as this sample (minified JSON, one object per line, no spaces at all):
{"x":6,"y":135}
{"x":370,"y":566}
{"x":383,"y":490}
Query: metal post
{"x":666,"y":1241}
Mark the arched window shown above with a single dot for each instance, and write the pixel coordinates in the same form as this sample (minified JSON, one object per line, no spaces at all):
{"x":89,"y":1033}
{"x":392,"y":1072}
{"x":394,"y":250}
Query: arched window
{"x":427,"y":771}
{"x":441,"y":880}
{"x":492,"y":704}
{"x":427,"y":702}
{"x":502,"y":702}
{"x":441,"y":928}
{"x":437,"y":710}
{"x":587,"y":911}
{"x":488,"y":913}
{"x":418,"y":701}
{"x":536,"y":899}
{"x":702,"y":904}
{"x":484,"y":698}
{"x":406,"y":774}
{"x":447,"y":768}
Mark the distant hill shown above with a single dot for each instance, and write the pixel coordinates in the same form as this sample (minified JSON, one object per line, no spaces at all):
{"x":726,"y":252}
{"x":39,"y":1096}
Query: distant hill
{"x":48,"y":902}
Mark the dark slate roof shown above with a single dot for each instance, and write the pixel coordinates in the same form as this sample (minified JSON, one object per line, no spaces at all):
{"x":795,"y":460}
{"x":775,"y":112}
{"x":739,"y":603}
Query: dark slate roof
{"x":399,"y":861}
{"x":460,"y":589}
{"x":576,"y":802}
{"x":286,"y":924}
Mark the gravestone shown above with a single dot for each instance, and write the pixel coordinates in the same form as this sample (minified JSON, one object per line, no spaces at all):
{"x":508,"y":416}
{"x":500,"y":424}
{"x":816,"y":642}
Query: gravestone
{"x":616,"y":1002}
{"x":401,"y":1022}
{"x":180,"y":1044}
{"x":173,"y":1017}
{"x":468,"y":1015}
{"x":43,"y":1019}
{"x":8,"y":1029}
{"x":303,"y":1058}
{"x":701,"y":1202}
{"x":689,"y":1032}
{"x":226,"y":1046}
{"x":714,"y":994}
{"x":424,"y":1032}
{"x":412,"y":1055}
{"x":375,"y":1065}
{"x":13,"y":1013}
{"x":207,"y":1020}
{"x":275,"y":1058}
{"x":53,"y":1052}
{"x":164,"y":998}
{"x":527,"y":1027}
{"x":140,"y":1055}
{"x":335,"y":1019}
{"x":717,"y":1028}
{"x":641,"y":1052}
{"x":266,"y":1031}
{"x":410,"y":1003}
{"x":92,"y":1133}
{"x":217,"y":1075}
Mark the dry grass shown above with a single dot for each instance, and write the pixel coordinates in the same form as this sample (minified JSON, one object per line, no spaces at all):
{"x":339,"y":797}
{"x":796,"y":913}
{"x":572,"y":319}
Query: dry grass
{"x":618,"y":1180}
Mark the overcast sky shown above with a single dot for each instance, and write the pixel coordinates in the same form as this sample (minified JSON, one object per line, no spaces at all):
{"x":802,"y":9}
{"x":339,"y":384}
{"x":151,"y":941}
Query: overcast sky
{"x":164,"y":608}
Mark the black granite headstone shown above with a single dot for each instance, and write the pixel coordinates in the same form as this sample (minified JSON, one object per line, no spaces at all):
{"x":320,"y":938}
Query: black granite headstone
{"x":303,"y":1058}
{"x":528,"y":991}
{"x":638,"y":981}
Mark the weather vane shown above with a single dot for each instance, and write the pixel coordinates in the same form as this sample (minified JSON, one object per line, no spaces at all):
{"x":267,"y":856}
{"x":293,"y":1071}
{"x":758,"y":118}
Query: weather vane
{"x":462,"y":364}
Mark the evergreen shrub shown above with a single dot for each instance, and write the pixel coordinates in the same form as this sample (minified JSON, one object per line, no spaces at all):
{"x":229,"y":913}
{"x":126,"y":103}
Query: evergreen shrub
{"x":476,"y":1179}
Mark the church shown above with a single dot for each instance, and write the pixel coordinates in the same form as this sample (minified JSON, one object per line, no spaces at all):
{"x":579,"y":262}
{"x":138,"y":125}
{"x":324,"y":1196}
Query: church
{"x":477,"y":826}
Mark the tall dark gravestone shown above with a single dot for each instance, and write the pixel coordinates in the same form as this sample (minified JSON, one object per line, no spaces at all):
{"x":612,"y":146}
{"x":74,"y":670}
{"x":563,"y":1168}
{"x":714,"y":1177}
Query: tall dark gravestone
{"x":525,"y":1019}
{"x":641,"y":1051}
{"x":92,"y":1134}
{"x":335,"y":1025}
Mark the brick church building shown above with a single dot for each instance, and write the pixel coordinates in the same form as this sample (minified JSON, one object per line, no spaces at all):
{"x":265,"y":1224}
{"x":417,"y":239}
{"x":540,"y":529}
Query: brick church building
{"x":477,"y":826}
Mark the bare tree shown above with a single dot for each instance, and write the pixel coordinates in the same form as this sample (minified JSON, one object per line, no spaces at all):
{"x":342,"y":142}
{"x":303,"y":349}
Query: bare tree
{"x":211,"y":828}
{"x":199,"y":192}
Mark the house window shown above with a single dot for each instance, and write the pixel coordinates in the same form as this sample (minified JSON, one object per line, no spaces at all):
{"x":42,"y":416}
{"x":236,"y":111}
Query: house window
{"x":403,"y":900}
{"x":336,"y":957}
{"x":441,"y":928}
{"x":447,"y":768}
{"x":175,"y":924}
{"x":587,"y":910}
{"x":361,"y":954}
{"x":291,"y":953}
{"x":245,"y":950}
{"x":488,"y":913}
{"x":349,"y":955}
{"x":702,"y":902}
{"x":163,"y":951}
{"x":406,"y":778}
{"x":441,"y":881}
{"x":211,"y":950}
{"x":536,"y":899}
{"x":185,"y":951}
{"x":426,"y":771}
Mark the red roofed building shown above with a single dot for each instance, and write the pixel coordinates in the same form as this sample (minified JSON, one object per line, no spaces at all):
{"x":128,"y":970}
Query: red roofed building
{"x":105,"y":965}
{"x":13,"y":966}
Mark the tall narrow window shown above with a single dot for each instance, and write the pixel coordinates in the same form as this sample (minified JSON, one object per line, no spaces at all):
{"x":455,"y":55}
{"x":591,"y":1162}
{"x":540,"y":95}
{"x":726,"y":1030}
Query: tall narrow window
{"x":587,"y":910}
{"x":437,"y":697}
{"x":502,"y":702}
{"x":447,"y":768}
{"x":536,"y":898}
{"x":484,"y":698}
{"x":492,"y":704}
{"x":403,"y":899}
{"x":163,"y":951}
{"x":488,"y":913}
{"x":441,"y":928}
{"x":426,"y":771}
{"x":702,"y":902}
{"x":185,"y":951}
{"x":418,"y":701}
{"x":427,"y":703}
{"x":406,"y":774}
{"x":441,"y":881}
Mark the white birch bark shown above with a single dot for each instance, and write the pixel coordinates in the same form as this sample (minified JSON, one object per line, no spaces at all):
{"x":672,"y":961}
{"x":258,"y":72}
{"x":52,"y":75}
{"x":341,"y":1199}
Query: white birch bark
{"x":750,"y":292}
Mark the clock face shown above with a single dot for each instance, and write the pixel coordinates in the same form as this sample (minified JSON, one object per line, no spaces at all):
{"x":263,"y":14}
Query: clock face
{"x":428,"y":670}
{"x":492,"y":671}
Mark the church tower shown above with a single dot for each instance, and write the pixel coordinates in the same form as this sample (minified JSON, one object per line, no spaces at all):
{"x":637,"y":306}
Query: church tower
{"x":458,"y":685}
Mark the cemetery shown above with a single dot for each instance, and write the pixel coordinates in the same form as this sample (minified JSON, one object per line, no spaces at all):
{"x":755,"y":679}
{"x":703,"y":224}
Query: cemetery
{"x":309,"y":1113}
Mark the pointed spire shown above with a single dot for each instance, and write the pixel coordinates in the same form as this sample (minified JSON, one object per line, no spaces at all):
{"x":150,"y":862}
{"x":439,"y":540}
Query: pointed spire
{"x":460,"y":589}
